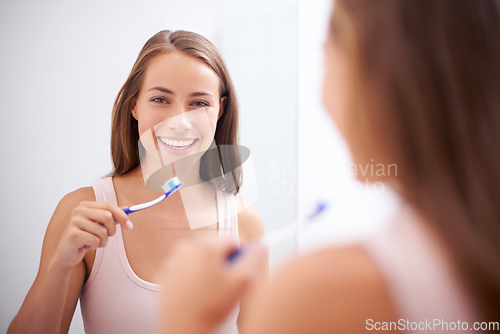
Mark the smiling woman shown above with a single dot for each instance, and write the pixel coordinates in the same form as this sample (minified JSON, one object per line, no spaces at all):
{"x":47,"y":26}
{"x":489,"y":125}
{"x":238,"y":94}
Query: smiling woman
{"x":181,"y":130}
{"x":179,"y":103}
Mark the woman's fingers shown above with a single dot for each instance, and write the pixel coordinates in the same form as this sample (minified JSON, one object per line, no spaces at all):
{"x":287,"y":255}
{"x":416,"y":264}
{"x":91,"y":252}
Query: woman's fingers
{"x":91,"y":227}
{"x":199,"y":277}
{"x":100,"y":219}
{"x":115,"y":214}
{"x":103,"y":218}
{"x":247,"y":265}
{"x":88,"y":241}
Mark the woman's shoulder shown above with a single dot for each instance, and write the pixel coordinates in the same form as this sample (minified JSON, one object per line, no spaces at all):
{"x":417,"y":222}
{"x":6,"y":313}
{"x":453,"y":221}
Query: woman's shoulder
{"x":71,"y":201}
{"x":246,"y":209}
{"x":335,"y":290}
{"x":62,"y":213}
{"x":250,"y":225}
{"x":78,"y":195}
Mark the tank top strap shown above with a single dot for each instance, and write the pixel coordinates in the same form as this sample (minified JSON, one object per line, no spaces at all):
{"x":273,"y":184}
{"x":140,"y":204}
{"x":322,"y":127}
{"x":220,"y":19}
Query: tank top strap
{"x":104,"y":190}
{"x":227,"y":213}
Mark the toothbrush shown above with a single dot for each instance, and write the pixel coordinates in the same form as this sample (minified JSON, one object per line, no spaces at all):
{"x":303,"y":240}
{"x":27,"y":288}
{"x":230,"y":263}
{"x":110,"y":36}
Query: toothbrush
{"x":169,"y":187}
{"x":276,"y":237}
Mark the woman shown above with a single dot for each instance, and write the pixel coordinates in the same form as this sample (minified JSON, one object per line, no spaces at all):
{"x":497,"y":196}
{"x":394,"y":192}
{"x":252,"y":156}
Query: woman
{"x":180,"y":90}
{"x":413,"y":83}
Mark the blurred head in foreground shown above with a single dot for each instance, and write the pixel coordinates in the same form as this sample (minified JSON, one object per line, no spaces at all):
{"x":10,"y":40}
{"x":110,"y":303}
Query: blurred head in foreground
{"x":416,"y":84}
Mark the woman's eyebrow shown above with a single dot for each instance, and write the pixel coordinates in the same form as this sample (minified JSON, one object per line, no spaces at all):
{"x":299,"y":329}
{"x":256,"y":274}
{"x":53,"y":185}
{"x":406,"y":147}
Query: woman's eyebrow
{"x":168,"y":91}
{"x":201,"y":94}
{"x":162,"y":89}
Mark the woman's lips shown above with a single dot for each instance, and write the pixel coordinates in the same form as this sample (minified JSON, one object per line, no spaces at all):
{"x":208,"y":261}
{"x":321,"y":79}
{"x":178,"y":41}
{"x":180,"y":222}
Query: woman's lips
{"x":178,"y":146}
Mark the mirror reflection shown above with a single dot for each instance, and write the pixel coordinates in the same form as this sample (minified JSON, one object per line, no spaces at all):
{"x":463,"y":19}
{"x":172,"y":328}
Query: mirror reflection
{"x":74,"y":71}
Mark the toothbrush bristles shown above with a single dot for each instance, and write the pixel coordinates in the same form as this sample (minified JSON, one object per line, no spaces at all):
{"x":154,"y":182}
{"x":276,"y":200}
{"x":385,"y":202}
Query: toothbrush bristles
{"x":172,"y":183}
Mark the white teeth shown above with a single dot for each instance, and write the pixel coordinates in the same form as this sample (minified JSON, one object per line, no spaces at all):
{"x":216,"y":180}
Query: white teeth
{"x":177,"y":144}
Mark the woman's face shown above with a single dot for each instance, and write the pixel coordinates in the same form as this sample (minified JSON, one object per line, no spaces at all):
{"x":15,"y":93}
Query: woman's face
{"x":178,"y":106}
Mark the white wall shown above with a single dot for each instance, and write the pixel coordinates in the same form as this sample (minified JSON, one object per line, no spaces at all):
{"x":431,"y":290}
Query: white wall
{"x":324,"y":166}
{"x":259,"y":41}
{"x":61,"y":66}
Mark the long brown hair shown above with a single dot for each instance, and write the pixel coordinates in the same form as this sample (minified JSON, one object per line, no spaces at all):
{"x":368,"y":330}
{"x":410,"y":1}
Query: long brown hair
{"x":432,"y":69}
{"x":124,"y":129}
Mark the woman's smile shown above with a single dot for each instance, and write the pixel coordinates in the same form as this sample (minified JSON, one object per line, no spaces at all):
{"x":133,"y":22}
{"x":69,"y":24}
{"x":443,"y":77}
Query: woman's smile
{"x":178,"y":145}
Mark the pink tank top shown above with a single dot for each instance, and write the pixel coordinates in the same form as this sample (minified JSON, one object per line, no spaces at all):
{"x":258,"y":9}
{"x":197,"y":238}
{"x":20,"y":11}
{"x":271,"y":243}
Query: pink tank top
{"x":114,"y":299}
{"x":423,"y":283}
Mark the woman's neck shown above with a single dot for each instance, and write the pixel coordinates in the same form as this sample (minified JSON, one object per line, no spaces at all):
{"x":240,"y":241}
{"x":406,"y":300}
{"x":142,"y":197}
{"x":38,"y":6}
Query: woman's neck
{"x":154,"y":179}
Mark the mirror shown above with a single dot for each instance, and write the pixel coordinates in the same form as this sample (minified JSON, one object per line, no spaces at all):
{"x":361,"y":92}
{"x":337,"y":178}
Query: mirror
{"x":62,"y":66}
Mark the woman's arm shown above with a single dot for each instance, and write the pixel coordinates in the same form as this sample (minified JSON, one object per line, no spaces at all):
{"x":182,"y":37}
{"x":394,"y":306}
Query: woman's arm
{"x":250,"y":227}
{"x":72,"y":231}
{"x":334,"y":291}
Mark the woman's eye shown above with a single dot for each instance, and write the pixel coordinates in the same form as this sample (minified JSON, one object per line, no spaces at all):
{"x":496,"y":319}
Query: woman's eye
{"x":200,"y":104}
{"x":159,"y":100}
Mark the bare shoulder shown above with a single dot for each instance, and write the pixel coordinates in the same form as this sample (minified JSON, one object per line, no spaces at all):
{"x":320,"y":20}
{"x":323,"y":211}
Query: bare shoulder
{"x":61,"y":215}
{"x":75,"y":197}
{"x":250,"y":224}
{"x":72,"y":200}
{"x":332,"y":291}
{"x":68,"y":203}
{"x":79,"y":195}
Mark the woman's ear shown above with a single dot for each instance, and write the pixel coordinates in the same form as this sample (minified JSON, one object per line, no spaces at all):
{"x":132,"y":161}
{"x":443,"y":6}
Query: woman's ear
{"x":134,"y":110}
{"x":222,"y":106}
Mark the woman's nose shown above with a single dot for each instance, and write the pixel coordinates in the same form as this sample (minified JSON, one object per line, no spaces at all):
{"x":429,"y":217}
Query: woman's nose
{"x":180,"y":121}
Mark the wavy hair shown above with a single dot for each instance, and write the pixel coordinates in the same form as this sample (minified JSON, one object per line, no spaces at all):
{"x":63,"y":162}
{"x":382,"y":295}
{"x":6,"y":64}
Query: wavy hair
{"x":429,"y":73}
{"x":125,"y":132}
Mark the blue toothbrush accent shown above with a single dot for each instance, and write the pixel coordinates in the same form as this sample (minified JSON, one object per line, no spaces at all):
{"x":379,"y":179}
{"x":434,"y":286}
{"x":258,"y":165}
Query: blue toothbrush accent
{"x":280,"y":235}
{"x":170,"y":187}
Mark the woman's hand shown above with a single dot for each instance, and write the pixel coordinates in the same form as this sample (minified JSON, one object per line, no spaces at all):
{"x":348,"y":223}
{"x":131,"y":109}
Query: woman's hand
{"x":200,"y":287}
{"x":90,"y":225}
